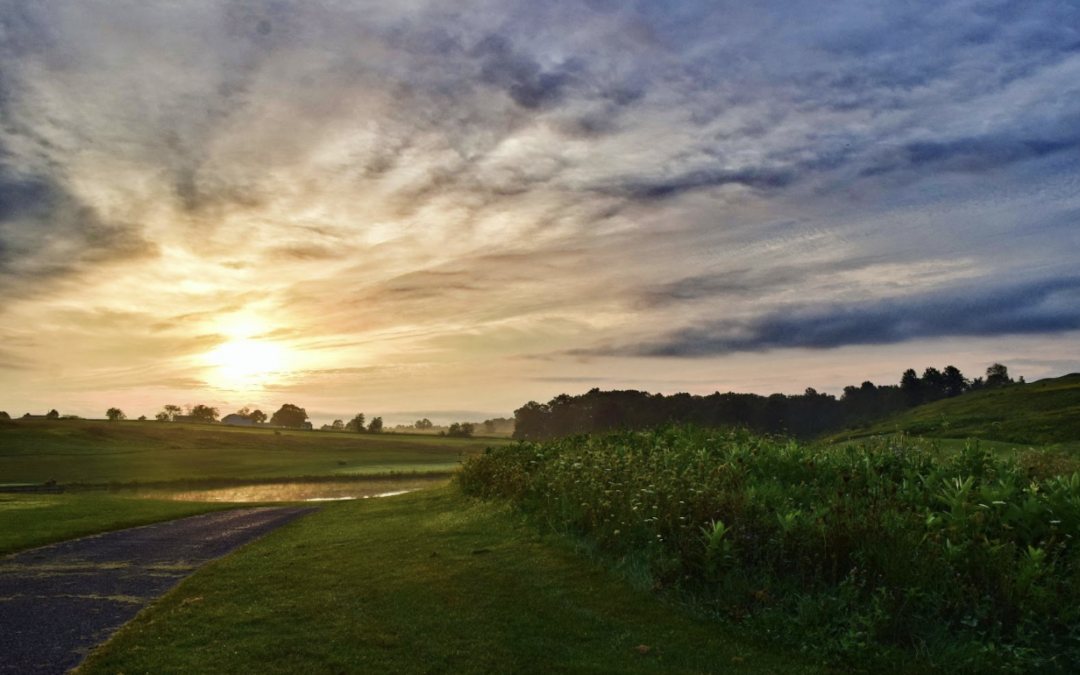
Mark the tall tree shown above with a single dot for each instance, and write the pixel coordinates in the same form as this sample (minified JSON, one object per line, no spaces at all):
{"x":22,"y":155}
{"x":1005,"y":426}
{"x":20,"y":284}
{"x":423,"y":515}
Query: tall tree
{"x":115,"y":414}
{"x":356,"y":424}
{"x":933,"y":385}
{"x":954,"y":381}
{"x":911,"y":386}
{"x":375,"y":426}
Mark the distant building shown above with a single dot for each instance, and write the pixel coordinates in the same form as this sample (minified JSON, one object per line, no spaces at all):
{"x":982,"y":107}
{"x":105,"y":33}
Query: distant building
{"x":237,"y":420}
{"x":185,"y":418}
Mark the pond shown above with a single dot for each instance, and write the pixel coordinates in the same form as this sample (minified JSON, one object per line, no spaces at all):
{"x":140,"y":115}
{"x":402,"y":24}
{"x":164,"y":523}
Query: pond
{"x":293,"y":491}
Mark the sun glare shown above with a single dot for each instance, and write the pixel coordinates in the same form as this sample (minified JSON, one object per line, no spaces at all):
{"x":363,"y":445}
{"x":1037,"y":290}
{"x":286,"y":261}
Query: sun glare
{"x":247,"y":364}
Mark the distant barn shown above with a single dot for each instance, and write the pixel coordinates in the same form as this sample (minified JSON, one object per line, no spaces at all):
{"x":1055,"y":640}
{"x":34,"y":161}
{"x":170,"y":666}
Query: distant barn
{"x":236,"y":420}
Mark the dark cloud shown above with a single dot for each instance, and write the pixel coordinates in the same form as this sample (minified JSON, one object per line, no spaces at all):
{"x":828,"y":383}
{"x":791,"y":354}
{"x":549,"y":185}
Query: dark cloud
{"x":1039,"y":307}
{"x":743,"y":282}
{"x":46,"y":233}
{"x":521,"y":76}
{"x":763,"y":178}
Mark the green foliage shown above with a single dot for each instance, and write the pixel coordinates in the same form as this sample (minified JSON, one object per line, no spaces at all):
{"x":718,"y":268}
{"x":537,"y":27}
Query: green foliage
{"x":850,"y":551}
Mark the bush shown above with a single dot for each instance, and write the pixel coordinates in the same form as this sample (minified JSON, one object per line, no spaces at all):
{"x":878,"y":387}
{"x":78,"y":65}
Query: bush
{"x":851,"y":551}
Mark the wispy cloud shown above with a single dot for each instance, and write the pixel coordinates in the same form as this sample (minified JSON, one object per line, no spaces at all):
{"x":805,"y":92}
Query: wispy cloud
{"x":420,"y":183}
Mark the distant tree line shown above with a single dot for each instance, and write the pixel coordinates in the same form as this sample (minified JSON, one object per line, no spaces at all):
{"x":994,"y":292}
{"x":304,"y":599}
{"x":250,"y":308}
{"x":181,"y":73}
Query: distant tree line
{"x":803,"y":415}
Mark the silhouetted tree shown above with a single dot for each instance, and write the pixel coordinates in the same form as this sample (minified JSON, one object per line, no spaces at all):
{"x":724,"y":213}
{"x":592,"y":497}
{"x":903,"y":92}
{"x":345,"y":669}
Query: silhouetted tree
{"x":375,"y":426}
{"x":997,"y":375}
{"x":338,"y":425}
{"x":954,"y":382}
{"x":289,"y":415}
{"x":911,"y":386}
{"x":356,"y":424}
{"x":169,"y":413}
{"x":257,"y":416}
{"x":204,"y":414}
{"x":4,"y":415}
{"x":115,"y":414}
{"x":933,"y":385}
{"x":423,"y":424}
{"x":142,"y":418}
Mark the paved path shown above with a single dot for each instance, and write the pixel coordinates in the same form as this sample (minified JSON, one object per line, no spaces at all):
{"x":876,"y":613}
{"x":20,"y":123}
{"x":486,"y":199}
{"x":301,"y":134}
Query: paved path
{"x":57,"y":602}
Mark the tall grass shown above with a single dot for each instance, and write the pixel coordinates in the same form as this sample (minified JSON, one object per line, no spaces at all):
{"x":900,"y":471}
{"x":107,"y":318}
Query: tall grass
{"x":861,"y":551}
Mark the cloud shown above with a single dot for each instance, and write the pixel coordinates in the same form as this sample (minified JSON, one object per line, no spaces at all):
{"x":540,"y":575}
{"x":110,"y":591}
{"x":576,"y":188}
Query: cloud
{"x":1042,"y":307}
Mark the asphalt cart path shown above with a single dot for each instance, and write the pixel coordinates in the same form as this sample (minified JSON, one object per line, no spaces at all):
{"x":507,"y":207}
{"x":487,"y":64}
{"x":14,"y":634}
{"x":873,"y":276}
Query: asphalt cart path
{"x":58,"y":602}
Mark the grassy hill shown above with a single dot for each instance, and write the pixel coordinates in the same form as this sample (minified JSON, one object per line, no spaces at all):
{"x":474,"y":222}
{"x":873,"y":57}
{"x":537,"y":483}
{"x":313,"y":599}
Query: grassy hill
{"x":98,"y":452}
{"x":1045,"y":412}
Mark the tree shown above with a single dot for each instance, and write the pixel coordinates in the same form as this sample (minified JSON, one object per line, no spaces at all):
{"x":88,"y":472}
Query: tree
{"x":4,"y":415}
{"x":162,"y":416}
{"x":356,"y":424}
{"x":257,"y":416}
{"x":338,"y":425}
{"x":423,"y":424}
{"x":954,"y":381}
{"x":461,"y":430}
{"x":911,"y":386}
{"x":169,"y":413}
{"x":997,"y":375}
{"x":52,"y":415}
{"x":115,"y":414}
{"x":204,"y":414}
{"x":933,"y":385}
{"x":375,"y":427}
{"x":289,"y":415}
{"x":142,"y":418}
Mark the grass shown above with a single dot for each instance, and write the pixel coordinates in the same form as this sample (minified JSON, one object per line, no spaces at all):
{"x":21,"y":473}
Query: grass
{"x":30,"y":520}
{"x":1041,"y":413}
{"x":428,"y":582}
{"x":98,"y":452}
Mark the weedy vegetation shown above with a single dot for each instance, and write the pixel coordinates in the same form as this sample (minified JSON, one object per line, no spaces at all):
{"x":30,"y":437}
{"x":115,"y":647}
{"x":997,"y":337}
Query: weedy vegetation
{"x":871,"y":552}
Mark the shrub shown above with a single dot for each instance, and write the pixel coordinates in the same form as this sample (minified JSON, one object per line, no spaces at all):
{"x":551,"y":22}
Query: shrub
{"x":851,"y":551}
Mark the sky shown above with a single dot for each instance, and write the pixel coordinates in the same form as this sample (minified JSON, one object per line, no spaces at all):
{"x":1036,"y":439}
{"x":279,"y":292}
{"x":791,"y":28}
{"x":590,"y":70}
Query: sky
{"x":448,"y":208}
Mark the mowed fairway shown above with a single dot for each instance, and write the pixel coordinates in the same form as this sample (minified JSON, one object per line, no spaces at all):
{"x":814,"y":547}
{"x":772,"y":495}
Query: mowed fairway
{"x":98,"y":452}
{"x":428,"y":582}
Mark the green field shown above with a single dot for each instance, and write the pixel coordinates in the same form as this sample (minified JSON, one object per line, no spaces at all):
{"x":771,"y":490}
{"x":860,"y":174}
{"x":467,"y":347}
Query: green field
{"x":98,"y":452}
{"x":1041,"y":413}
{"x":428,"y":582}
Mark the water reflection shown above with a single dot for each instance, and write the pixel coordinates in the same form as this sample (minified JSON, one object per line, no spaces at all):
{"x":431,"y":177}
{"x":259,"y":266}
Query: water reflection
{"x":296,"y":491}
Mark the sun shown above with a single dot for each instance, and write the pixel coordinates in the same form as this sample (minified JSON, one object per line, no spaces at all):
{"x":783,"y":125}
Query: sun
{"x":246,"y":363}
